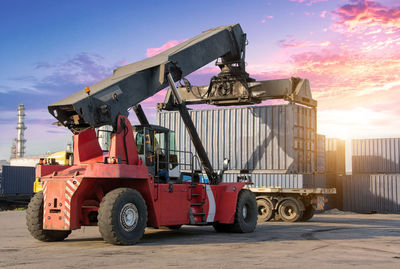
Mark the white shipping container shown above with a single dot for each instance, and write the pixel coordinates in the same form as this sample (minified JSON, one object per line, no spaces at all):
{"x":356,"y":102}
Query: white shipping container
{"x":280,"y":138}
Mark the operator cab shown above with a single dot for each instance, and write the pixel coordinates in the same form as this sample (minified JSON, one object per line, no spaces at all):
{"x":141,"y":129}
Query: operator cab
{"x":156,"y":149}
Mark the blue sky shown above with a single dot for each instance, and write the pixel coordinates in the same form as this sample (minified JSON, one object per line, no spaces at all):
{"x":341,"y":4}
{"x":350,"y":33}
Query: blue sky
{"x":51,"y":49}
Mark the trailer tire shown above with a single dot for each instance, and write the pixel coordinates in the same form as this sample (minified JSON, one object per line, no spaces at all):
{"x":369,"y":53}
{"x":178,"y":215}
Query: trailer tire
{"x":308,"y":213}
{"x":34,"y":221}
{"x":289,"y":211}
{"x":265,"y":210}
{"x":122,"y":216}
{"x":246,"y":213}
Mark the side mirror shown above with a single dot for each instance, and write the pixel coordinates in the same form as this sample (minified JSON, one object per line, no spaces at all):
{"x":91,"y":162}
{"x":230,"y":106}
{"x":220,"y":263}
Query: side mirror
{"x":225,"y":165}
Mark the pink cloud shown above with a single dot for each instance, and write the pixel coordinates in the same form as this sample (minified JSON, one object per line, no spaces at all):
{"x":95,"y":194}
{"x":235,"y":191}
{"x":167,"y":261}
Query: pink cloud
{"x":153,"y":51}
{"x":323,"y":14}
{"x":267,"y":18}
{"x":357,"y":93}
{"x":360,"y":14}
{"x":291,"y":42}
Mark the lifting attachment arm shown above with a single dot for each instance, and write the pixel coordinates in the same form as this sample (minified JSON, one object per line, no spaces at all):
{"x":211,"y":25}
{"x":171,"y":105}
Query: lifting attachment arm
{"x":101,"y":103}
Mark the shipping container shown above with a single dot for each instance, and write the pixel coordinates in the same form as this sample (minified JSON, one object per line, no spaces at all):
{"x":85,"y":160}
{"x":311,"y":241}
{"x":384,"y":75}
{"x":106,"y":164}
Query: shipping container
{"x":371,"y":193}
{"x":274,"y":139}
{"x":380,"y":155}
{"x":321,"y":153}
{"x":335,"y":160}
{"x":17,"y":180}
{"x":27,"y":161}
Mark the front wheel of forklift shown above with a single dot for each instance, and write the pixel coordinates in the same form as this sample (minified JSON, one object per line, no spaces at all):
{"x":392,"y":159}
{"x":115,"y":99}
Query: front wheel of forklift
{"x":34,"y":221}
{"x":122,"y":216}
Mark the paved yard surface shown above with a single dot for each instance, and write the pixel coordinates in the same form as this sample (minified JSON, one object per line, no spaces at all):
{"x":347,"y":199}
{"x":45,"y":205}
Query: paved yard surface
{"x":327,"y":241}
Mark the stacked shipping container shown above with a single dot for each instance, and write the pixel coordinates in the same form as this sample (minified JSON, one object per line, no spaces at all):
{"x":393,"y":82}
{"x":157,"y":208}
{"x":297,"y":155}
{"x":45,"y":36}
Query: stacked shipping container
{"x":374,"y":185}
{"x":376,"y":155}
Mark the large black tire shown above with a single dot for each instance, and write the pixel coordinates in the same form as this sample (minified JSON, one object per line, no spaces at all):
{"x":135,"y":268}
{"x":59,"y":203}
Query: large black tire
{"x":122,"y":216}
{"x":289,"y":211}
{"x":265,"y":210}
{"x":34,"y":221}
{"x":308,"y":213}
{"x":246,"y":213}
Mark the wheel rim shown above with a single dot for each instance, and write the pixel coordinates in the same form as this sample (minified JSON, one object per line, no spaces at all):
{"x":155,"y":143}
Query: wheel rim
{"x":129,"y":217}
{"x":289,"y":211}
{"x":244,"y":212}
{"x":262,"y":211}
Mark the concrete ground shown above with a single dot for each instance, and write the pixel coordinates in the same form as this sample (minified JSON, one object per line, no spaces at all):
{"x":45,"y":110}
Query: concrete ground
{"x":327,"y":241}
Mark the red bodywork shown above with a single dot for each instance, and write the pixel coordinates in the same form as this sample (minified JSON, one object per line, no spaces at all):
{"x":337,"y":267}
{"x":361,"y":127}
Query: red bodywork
{"x":72,"y":194}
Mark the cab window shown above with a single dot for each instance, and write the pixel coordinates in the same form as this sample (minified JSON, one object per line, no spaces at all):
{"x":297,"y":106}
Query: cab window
{"x":139,"y":142}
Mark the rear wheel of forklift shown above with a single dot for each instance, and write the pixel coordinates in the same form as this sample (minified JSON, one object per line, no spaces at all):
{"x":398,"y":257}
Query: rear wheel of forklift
{"x":246,"y":213}
{"x":265,"y":210}
{"x":34,"y":221}
{"x":122,"y":216}
{"x":289,"y":211}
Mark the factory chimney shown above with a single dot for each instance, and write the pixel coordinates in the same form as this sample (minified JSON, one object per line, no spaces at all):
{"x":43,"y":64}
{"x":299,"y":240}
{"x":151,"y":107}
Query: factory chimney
{"x":21,"y":128}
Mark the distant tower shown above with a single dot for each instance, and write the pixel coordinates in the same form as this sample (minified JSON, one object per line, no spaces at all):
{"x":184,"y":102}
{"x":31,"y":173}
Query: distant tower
{"x":20,"y":141}
{"x":13,"y":150}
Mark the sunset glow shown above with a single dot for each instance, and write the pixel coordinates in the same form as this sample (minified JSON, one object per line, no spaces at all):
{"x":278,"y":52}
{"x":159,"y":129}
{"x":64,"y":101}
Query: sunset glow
{"x":349,"y":50}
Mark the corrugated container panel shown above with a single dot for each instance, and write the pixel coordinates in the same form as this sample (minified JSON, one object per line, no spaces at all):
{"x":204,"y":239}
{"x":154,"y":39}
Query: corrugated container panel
{"x":321,"y":154}
{"x":335,"y":160}
{"x":380,"y":155}
{"x":272,"y":180}
{"x":368,"y":193}
{"x":17,"y":180}
{"x":274,"y":138}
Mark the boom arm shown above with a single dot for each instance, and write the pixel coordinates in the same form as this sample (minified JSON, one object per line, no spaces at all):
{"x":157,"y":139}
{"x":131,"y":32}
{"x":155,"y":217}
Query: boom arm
{"x":129,"y":85}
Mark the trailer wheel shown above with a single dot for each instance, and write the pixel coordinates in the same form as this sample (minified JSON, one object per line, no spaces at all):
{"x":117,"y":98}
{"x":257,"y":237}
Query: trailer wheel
{"x":122,"y":216}
{"x":265,"y":210}
{"x":308,"y":213}
{"x":289,"y":211}
{"x":246,"y":213}
{"x":34,"y":221}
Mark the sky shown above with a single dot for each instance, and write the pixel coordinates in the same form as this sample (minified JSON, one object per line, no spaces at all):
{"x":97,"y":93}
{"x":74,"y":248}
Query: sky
{"x":348,"y":49}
